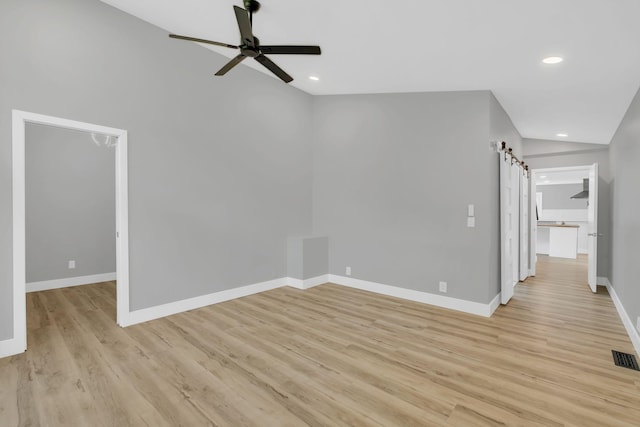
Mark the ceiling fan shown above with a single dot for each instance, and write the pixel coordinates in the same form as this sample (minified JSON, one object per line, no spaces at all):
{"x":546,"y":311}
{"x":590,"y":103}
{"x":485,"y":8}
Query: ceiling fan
{"x":250,"y":45}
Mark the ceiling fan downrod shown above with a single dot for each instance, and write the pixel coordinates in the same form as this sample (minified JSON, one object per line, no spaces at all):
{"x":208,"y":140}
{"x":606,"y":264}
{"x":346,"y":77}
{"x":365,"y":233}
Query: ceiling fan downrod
{"x":251,"y":6}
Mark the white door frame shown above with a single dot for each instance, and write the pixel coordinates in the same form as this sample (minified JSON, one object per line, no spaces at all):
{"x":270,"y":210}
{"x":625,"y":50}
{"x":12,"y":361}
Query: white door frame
{"x":534,"y":173}
{"x":19,"y":121}
{"x":533,"y":223}
{"x":592,"y":229}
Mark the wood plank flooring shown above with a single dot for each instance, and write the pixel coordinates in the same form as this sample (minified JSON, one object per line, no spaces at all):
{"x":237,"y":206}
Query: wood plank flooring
{"x":327,"y":356}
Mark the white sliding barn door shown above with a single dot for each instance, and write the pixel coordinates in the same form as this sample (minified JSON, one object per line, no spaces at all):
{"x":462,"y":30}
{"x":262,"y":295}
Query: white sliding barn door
{"x":509,"y":226}
{"x":515,"y":220}
{"x":524,"y":226}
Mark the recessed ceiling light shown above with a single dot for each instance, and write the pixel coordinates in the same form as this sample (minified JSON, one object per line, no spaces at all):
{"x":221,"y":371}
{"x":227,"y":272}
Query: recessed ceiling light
{"x":314,"y":78}
{"x":543,"y":176}
{"x":553,"y":60}
{"x":562,"y":135}
{"x":547,"y":182}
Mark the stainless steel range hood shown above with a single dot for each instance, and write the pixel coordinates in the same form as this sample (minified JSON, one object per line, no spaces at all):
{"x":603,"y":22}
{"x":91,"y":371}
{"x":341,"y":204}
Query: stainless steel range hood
{"x":584,"y":194}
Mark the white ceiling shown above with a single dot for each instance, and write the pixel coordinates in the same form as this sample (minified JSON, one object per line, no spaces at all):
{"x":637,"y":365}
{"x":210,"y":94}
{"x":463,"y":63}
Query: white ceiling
{"x":376,"y":46}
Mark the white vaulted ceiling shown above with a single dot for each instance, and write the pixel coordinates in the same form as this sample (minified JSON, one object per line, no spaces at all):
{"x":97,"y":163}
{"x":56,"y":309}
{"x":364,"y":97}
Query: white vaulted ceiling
{"x":377,"y":46}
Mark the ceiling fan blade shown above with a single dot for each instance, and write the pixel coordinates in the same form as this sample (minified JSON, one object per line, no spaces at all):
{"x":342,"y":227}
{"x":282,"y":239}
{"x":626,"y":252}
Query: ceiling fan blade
{"x":193,"y":39}
{"x":244,"y":24}
{"x":271,"y":66}
{"x":235,"y":61}
{"x":291,"y":50}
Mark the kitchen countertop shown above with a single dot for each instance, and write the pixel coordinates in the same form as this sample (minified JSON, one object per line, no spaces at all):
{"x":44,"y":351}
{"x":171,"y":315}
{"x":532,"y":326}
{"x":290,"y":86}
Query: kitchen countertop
{"x":558,"y":225}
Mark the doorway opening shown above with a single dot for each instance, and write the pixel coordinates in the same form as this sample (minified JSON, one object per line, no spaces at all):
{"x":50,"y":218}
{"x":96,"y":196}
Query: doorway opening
{"x":116,"y":137}
{"x":565,"y":202}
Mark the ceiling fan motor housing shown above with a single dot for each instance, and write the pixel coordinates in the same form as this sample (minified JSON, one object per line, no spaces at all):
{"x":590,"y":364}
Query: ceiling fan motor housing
{"x":249,"y":51}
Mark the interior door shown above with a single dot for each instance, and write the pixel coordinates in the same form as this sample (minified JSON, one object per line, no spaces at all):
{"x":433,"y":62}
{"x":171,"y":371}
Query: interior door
{"x":524,"y":226}
{"x":592,"y":227}
{"x":509,"y":200}
{"x":516,"y":175}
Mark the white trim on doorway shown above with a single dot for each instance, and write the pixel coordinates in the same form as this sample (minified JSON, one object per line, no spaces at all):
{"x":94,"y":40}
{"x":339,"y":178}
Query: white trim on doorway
{"x":20,"y":119}
{"x":544,"y":214}
{"x":10,"y":347}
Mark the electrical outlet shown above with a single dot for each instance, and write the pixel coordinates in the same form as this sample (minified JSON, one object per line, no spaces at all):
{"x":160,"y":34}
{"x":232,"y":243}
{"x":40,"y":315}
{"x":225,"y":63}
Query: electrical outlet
{"x":348,"y":271}
{"x":72,"y":264}
{"x":443,"y":287}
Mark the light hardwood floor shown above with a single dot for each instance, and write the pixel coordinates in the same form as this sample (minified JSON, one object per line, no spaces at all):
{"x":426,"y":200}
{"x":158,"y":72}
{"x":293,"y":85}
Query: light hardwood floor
{"x":327,"y":356}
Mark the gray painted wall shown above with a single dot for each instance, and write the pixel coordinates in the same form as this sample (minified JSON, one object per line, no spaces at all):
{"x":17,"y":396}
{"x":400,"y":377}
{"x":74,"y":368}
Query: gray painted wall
{"x":70,"y":204}
{"x":295,"y":257}
{"x":625,"y":157}
{"x":308,"y":257}
{"x":213,"y":196}
{"x":316,"y":257}
{"x":559,"y":196}
{"x":393,"y":175}
{"x":540,"y":154}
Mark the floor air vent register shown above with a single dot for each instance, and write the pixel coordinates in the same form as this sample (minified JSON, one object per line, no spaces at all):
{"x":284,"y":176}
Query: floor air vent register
{"x":625,"y":360}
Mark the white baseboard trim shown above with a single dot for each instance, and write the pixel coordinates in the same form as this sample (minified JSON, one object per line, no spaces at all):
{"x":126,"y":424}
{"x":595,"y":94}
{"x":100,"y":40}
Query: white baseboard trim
{"x":626,"y":320}
{"x":307,"y":283}
{"x":151,"y":313}
{"x":603,"y":281}
{"x":494,"y":304}
{"x":11,"y":347}
{"x":69,"y":281}
{"x":471,"y":307}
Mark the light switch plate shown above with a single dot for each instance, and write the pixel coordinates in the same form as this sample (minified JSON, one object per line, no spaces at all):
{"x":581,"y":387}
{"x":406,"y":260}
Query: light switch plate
{"x":471,"y":222}
{"x":471,"y":210}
